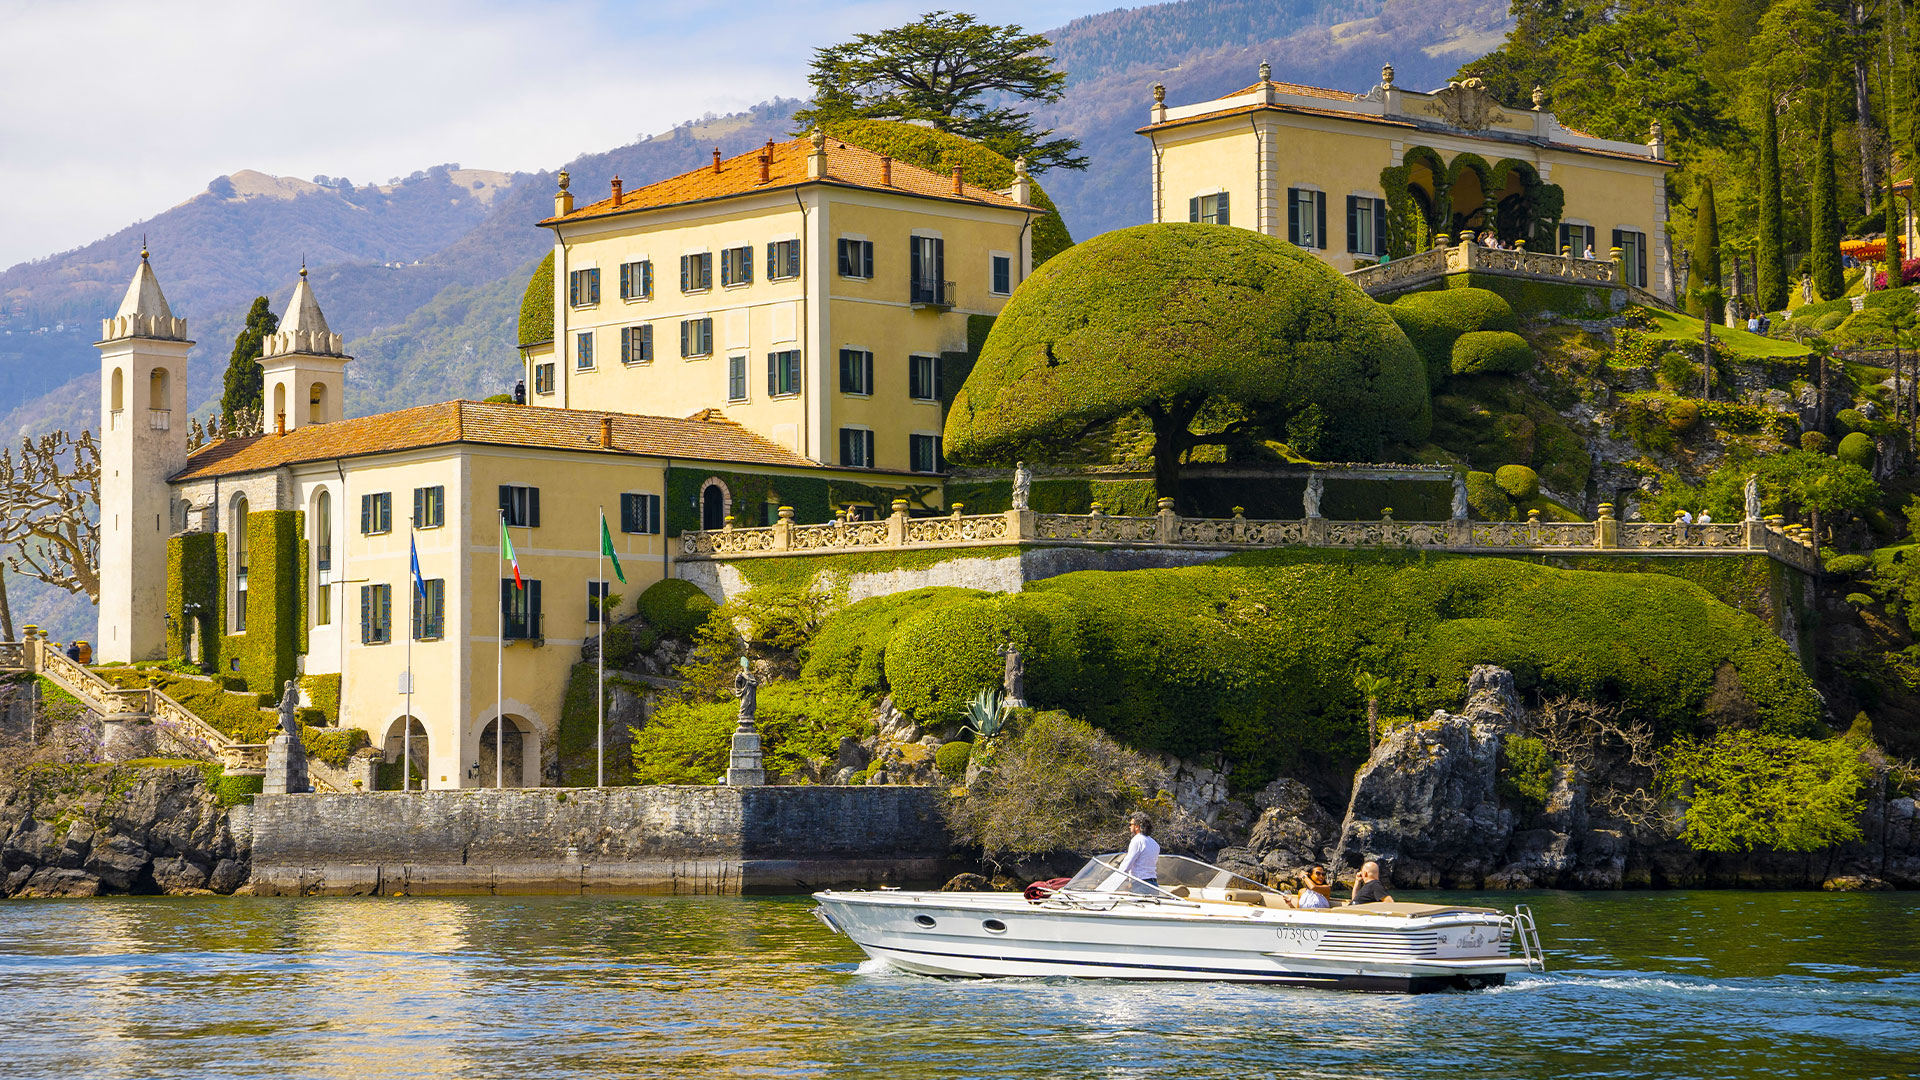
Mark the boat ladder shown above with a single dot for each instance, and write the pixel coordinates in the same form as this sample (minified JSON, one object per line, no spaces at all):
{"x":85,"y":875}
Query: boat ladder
{"x":1528,"y":938}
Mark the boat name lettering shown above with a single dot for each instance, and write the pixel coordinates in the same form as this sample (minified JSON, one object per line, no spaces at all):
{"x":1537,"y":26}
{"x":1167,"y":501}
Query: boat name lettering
{"x":1300,"y":935}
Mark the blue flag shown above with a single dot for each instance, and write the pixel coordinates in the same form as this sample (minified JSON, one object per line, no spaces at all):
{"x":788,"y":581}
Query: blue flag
{"x":419,"y":586}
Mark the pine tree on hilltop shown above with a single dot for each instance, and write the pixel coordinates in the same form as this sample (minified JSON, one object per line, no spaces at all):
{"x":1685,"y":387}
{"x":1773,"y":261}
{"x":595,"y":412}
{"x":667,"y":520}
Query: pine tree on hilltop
{"x":245,"y":385}
{"x":1829,"y":282}
{"x":1771,"y":266}
{"x":1706,"y":299}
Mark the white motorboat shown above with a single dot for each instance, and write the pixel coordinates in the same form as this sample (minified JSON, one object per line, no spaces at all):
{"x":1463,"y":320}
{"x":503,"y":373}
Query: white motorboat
{"x":1197,"y":922}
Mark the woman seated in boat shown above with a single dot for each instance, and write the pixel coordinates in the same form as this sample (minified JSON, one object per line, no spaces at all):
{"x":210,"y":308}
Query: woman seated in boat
{"x":1317,"y":894}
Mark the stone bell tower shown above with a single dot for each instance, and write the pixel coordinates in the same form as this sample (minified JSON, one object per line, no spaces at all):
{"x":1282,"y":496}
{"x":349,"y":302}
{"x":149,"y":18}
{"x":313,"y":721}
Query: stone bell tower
{"x":304,"y":370}
{"x":143,"y":442}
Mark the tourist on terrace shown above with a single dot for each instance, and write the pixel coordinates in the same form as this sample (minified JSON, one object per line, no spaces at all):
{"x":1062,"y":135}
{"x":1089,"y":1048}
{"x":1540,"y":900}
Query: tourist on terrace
{"x":1705,"y":518}
{"x":1143,"y":853}
{"x":1680,"y":522}
{"x":1367,"y":888}
{"x":1589,"y":253}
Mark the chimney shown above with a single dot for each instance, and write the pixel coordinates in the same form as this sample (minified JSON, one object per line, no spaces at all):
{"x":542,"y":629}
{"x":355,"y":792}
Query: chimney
{"x":606,"y":432}
{"x":957,"y":189}
{"x":616,"y":192}
{"x":817,"y":157}
{"x":886,"y":169}
{"x":716,"y":160}
{"x":563,"y":199}
{"x":766,"y":162}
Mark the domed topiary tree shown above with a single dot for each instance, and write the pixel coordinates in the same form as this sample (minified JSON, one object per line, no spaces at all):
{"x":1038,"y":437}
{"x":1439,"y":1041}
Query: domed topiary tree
{"x":1518,"y":481}
{"x":1491,"y":352}
{"x":1434,"y":321}
{"x":1814,"y":442}
{"x":1856,"y":449}
{"x":1211,"y":332}
{"x":940,"y":151}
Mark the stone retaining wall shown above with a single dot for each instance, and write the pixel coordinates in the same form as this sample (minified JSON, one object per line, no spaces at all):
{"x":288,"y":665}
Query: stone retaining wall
{"x":597,"y":840}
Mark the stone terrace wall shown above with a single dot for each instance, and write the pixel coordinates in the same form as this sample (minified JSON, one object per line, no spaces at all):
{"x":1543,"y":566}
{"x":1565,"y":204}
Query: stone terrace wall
{"x":597,"y":840}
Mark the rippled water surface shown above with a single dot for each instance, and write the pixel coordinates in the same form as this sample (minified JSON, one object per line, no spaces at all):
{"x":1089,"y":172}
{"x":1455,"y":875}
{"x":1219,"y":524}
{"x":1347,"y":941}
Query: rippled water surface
{"x":1707,"y":984}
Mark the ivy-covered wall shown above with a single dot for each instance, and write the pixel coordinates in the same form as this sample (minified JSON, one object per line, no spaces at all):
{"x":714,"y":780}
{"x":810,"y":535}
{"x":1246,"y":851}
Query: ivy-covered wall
{"x":324,"y":692}
{"x":277,"y":572}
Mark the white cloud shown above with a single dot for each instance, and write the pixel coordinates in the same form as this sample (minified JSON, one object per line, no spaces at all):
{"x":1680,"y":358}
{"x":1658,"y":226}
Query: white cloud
{"x":118,"y":110}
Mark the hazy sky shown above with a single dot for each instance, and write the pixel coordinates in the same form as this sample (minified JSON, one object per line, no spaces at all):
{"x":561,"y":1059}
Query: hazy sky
{"x":113,"y":111}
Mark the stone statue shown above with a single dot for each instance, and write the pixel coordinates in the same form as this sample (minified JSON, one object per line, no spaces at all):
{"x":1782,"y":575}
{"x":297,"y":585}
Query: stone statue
{"x":1752,"y":493}
{"x":289,"y":705}
{"x":1013,"y":680}
{"x":747,"y":689}
{"x":1022,"y":485}
{"x":1315,"y":488}
{"x":1459,"y":497}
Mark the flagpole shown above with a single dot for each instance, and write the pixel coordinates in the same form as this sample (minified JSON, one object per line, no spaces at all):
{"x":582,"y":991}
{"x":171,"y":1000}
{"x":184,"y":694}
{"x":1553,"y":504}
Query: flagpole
{"x":413,"y":597}
{"x":499,"y":678}
{"x":600,"y":654}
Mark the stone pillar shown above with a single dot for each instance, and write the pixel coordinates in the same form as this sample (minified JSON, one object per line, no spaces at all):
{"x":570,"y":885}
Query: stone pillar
{"x":1606,"y":532}
{"x":1022,"y":525}
{"x":897,"y":524}
{"x":127,"y":736}
{"x":1619,"y":266}
{"x":1168,"y":528}
{"x":30,"y":647}
{"x":783,"y":530}
{"x":363,"y":769}
{"x":286,"y":766}
{"x":744,"y":766}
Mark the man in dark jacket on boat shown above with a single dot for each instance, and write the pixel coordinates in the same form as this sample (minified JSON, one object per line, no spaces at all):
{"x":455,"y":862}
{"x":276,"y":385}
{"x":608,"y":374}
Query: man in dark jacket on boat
{"x":1367,"y":888}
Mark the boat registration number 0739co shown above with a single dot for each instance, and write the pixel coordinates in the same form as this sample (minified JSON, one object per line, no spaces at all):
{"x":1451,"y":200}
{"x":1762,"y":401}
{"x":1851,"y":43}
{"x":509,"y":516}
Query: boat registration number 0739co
{"x":1300,"y":935}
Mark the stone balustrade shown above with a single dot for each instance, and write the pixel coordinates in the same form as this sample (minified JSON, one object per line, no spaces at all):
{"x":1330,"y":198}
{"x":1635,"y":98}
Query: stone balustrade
{"x":1605,"y":536}
{"x":1400,"y":275}
{"x":34,"y":654}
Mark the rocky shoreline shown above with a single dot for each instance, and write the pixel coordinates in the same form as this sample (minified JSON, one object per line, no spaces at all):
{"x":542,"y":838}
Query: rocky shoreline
{"x":84,"y":830}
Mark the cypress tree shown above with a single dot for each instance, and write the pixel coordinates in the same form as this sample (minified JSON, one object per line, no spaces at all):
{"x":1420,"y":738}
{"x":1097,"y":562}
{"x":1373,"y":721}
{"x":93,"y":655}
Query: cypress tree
{"x":1895,"y":220}
{"x":1828,"y":280}
{"x":245,"y":386}
{"x":1771,"y":263}
{"x":1708,"y":301}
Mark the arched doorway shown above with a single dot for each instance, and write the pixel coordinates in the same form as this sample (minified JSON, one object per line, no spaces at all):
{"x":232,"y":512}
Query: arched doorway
{"x":713,"y":505}
{"x":1467,"y":184}
{"x":394,"y":748}
{"x":514,"y":743}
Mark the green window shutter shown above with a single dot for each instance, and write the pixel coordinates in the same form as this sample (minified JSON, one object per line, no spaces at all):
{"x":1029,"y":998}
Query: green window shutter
{"x":685,"y":267}
{"x":1220,"y":210}
{"x":773,"y":374}
{"x":683,"y":337}
{"x":533,"y":508}
{"x":1320,"y":219}
{"x":1353,"y":223}
{"x":1293,"y":215}
{"x":366,"y":611}
{"x":366,"y":514}
{"x":1379,"y":226}
{"x":506,"y":502}
{"x":846,"y":371}
{"x":419,"y":496}
{"x":593,"y":285}
{"x":1193,"y":210}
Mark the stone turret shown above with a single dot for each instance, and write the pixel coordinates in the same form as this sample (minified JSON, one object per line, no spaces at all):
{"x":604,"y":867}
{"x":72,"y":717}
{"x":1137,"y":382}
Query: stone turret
{"x":143,"y":442}
{"x":304,"y":365}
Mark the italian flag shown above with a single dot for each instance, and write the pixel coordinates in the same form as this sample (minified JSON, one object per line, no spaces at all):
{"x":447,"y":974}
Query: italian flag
{"x":506,"y":545}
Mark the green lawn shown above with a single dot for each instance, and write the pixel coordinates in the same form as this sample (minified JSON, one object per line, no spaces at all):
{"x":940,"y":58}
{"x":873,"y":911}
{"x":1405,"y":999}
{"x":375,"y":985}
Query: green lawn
{"x":1672,"y":326}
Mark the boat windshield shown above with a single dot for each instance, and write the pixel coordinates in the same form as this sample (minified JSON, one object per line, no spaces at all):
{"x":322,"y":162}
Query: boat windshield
{"x":1102,"y":874}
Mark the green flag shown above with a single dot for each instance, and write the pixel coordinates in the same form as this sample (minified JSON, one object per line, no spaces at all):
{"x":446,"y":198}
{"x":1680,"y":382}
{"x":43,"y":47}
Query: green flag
{"x":606,"y":548}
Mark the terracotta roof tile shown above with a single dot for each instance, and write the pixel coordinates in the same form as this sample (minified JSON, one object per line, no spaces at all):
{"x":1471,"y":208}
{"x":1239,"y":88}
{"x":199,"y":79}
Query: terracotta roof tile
{"x":787,"y":167}
{"x":707,"y":438}
{"x":1297,"y":89}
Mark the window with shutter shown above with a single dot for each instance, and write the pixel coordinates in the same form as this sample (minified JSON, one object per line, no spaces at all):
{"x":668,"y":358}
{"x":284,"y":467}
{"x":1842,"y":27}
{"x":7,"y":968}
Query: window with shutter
{"x":926,"y":454}
{"x":583,"y":350}
{"x":856,"y":371}
{"x":923,"y":378}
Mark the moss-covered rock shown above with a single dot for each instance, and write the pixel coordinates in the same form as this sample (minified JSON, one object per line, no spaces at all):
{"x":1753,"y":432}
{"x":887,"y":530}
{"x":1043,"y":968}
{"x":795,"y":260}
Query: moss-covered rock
{"x":1491,"y":352}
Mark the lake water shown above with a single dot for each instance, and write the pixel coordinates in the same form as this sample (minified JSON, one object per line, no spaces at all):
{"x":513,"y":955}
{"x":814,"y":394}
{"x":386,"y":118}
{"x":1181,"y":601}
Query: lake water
{"x":1705,"y":984}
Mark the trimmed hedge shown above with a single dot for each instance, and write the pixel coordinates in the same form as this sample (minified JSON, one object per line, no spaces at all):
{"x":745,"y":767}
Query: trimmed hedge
{"x":1491,"y":352}
{"x":1253,"y":656}
{"x":536,"y":305}
{"x":687,"y":742}
{"x":850,"y":648}
{"x":1856,"y":449}
{"x":674,"y":608}
{"x":1486,"y":499}
{"x":1518,"y":481}
{"x":333,"y":745}
{"x":1434,"y":321}
{"x":324,"y":692}
{"x":952,"y":758}
{"x":1146,"y":315}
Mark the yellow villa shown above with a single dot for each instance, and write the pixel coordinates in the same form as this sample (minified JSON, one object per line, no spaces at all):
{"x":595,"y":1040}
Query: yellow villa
{"x":1362,"y":178}
{"x":812,"y":291}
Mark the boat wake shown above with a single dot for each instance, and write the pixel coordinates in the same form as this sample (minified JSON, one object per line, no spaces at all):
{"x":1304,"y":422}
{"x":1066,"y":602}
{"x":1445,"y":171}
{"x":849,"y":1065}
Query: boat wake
{"x":1657,"y":984}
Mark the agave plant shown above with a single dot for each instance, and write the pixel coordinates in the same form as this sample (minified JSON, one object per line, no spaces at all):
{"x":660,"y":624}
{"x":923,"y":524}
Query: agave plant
{"x":985,"y":715}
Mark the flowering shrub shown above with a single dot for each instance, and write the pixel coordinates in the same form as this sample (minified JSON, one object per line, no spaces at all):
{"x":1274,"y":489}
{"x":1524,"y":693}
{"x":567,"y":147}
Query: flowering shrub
{"x":1909,"y":274}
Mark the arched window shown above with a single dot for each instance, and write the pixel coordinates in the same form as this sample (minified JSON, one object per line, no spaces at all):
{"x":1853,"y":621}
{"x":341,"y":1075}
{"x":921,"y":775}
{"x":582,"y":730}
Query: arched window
{"x":323,"y":558}
{"x":118,"y":400}
{"x":157,"y":390}
{"x":238,"y":555}
{"x":280,"y":406}
{"x":317,"y":404}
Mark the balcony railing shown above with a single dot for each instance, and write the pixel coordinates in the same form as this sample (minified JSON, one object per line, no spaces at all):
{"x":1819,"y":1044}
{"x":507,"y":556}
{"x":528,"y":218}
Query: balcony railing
{"x":936,"y":294}
{"x":159,"y":419}
{"x":525,"y":626}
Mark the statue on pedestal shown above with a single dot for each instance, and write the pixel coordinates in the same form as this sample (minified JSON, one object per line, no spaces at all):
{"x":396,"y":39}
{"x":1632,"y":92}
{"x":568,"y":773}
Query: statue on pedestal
{"x":1022,"y":485}
{"x":1315,"y":488}
{"x":1752,"y":493}
{"x":289,"y":708}
{"x":745,"y":764}
{"x":1459,"y":497}
{"x":286,"y":755}
{"x":1013,"y":679}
